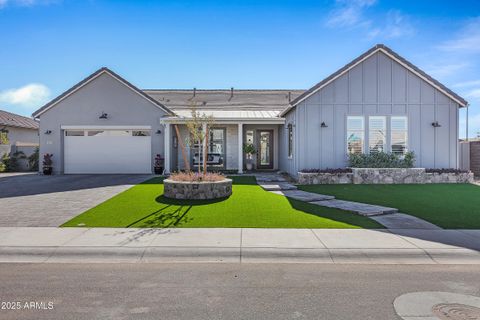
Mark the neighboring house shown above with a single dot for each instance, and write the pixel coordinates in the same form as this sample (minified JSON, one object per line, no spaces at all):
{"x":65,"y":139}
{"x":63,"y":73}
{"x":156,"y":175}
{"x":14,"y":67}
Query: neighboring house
{"x":378,"y":102}
{"x":18,"y":134}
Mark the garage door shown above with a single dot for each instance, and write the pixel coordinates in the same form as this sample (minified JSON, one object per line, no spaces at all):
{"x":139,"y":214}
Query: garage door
{"x":107,"y":151}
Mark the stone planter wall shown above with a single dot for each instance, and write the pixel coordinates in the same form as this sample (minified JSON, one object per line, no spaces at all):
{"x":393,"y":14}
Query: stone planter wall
{"x":197,"y":190}
{"x":384,"y":176}
{"x":325,"y":178}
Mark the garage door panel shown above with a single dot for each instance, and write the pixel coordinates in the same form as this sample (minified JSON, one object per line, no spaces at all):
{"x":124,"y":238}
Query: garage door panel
{"x":107,"y":154}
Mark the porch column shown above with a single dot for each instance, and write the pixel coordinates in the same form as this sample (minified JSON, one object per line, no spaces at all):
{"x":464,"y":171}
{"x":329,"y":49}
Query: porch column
{"x":166,"y":146}
{"x":240,"y":148}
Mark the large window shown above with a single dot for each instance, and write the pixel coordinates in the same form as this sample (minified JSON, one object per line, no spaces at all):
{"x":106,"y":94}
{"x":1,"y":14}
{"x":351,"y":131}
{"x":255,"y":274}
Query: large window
{"x":355,"y":134}
{"x":377,"y":134}
{"x":216,"y":149}
{"x":399,"y":135}
{"x":290,"y":140}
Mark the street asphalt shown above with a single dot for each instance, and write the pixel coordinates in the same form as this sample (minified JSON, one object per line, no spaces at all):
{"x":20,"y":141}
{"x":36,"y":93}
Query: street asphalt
{"x":222,"y":291}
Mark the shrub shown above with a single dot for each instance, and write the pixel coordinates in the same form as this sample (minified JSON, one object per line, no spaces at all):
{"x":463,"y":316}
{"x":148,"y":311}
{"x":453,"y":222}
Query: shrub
{"x":33,"y":160}
{"x":47,"y":160}
{"x":446,"y":170}
{"x":196,"y":177}
{"x":328,"y":170}
{"x":381,"y":160}
{"x":9,"y":162}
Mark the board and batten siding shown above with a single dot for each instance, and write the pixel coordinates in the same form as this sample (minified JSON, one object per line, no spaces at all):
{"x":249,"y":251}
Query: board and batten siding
{"x":379,"y":86}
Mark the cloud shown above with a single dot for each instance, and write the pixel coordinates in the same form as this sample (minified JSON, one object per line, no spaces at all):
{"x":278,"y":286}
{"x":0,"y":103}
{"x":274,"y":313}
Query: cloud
{"x":396,"y":25}
{"x":30,"y":96}
{"x":466,"y":84}
{"x":443,"y":70}
{"x":352,"y":14}
{"x":26,"y":3}
{"x":467,"y":40}
{"x":475,"y":93}
{"x":349,"y":13}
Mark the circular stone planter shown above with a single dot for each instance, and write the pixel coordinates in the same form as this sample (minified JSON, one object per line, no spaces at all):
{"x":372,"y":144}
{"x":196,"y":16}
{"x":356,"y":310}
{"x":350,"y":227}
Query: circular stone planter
{"x":197,"y":190}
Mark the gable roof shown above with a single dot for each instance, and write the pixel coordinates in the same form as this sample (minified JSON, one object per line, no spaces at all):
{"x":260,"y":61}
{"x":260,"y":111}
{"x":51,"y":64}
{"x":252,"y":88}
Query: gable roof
{"x":9,"y":119}
{"x":227,"y":100}
{"x":393,"y":55}
{"x":91,"y":77}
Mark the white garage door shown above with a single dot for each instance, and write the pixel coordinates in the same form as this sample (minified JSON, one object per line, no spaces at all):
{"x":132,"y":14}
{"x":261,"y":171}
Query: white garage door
{"x":107,"y":151}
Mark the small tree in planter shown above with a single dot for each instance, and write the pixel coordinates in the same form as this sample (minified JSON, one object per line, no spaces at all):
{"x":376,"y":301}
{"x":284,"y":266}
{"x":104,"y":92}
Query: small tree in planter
{"x":47,"y":163}
{"x":198,"y":127}
{"x":158,"y":165}
{"x":249,"y":151}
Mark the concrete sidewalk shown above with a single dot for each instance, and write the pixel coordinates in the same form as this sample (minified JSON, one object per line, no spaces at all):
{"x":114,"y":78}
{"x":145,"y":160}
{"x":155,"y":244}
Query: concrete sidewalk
{"x":239,"y":245}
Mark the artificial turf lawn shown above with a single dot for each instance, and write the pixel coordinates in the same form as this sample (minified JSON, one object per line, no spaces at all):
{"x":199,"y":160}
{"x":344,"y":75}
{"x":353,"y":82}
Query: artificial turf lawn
{"x":450,"y":206}
{"x":249,"y":206}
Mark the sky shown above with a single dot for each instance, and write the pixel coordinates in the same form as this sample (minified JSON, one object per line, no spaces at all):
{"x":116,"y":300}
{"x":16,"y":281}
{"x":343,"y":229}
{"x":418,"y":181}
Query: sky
{"x":47,"y":46}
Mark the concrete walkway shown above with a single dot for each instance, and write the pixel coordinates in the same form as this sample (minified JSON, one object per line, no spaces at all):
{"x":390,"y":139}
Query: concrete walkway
{"x":240,"y":245}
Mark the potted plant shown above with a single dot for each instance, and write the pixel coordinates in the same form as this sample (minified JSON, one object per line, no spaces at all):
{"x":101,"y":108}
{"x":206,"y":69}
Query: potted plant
{"x":249,"y":150}
{"x":158,"y":164}
{"x":47,"y":164}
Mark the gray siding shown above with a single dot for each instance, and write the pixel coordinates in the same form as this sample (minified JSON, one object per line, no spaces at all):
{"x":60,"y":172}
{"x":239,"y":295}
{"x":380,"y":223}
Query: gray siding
{"x":123,"y":106}
{"x":377,"y":86}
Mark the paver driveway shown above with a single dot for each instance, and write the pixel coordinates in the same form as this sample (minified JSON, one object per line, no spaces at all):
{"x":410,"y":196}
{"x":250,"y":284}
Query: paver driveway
{"x":32,"y":200}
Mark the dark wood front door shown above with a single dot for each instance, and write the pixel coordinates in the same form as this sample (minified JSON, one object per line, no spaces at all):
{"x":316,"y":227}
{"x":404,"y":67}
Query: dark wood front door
{"x":264,"y":149}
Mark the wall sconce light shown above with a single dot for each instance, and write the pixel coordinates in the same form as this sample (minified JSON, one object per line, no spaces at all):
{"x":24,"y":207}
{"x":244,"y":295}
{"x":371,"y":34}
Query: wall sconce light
{"x":103,"y":116}
{"x":323,"y":125}
{"x":158,"y":131}
{"x":435,"y":124}
{"x":4,"y":130}
{"x":48,"y":132}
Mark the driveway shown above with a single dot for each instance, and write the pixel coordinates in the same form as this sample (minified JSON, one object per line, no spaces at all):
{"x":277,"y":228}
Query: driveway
{"x":32,"y":200}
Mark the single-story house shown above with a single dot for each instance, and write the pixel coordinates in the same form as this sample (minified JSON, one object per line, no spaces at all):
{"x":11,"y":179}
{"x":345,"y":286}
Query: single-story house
{"x":377,"y":102}
{"x":18,"y":133}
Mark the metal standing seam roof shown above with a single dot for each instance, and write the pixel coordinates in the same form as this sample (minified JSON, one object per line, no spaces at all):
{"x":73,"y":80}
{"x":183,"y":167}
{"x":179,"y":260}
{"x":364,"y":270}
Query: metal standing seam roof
{"x":232,"y":114}
{"x":9,"y":119}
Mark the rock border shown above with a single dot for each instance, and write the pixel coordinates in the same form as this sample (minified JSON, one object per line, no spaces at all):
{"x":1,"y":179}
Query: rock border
{"x":205,"y":190}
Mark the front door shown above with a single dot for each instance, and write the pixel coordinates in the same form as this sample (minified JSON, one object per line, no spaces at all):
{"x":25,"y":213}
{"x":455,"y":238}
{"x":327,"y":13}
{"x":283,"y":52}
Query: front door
{"x":265,"y":149}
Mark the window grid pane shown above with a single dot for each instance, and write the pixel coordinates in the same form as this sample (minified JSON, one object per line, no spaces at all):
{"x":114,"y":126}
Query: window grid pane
{"x":399,"y":135}
{"x":355,"y":134}
{"x":377,"y":134}
{"x":290,"y":141}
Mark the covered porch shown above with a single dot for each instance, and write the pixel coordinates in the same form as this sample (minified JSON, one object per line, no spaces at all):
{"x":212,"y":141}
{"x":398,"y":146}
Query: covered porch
{"x":227,"y":134}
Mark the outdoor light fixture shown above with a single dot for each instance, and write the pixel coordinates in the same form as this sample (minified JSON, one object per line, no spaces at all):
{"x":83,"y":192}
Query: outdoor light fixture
{"x":435,"y":124}
{"x":158,"y":131}
{"x":48,"y":132}
{"x":4,"y":130}
{"x":103,"y":116}
{"x":323,"y":125}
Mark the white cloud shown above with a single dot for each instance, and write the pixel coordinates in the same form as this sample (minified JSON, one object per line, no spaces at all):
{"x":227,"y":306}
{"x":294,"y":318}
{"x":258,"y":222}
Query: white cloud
{"x":25,"y":3}
{"x":352,"y":14}
{"x":30,"y":96}
{"x":466,"y":84}
{"x":475,"y":93}
{"x":467,"y":40}
{"x":444,"y":69}
{"x":349,"y":13}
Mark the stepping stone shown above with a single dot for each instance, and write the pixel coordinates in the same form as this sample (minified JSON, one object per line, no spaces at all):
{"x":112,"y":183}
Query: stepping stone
{"x":270,"y":178}
{"x":272,"y":186}
{"x":303,"y":195}
{"x":362,"y":209}
{"x":404,"y":221}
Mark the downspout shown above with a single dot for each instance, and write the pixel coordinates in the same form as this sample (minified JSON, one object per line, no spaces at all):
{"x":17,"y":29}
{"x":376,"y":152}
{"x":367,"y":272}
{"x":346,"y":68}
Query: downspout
{"x":466,"y":126}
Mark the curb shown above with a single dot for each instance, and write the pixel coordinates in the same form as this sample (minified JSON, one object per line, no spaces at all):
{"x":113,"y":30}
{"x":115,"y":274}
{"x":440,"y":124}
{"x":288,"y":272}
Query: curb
{"x":235,"y":255}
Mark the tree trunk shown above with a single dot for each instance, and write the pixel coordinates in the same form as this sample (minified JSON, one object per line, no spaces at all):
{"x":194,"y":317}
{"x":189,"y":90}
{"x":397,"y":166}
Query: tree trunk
{"x":182,"y":148}
{"x":205,"y":151}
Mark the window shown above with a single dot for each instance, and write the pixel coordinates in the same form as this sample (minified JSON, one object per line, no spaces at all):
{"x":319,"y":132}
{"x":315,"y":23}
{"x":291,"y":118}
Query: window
{"x":290,"y":140}
{"x":95,"y":133}
{"x":74,"y":133}
{"x":216,"y":149}
{"x":377,"y":134}
{"x":399,"y":134}
{"x":355,"y":134}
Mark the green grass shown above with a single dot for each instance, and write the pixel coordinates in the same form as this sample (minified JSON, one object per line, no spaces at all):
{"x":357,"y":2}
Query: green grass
{"x":452,"y":206}
{"x":249,"y":206}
